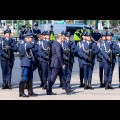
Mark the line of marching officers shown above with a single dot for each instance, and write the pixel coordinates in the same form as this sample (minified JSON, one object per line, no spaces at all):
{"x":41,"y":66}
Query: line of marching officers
{"x":56,"y":58}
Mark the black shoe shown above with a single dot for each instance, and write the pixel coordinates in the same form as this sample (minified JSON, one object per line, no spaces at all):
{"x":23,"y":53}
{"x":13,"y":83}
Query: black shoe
{"x":86,"y":86}
{"x":70,"y":90}
{"x":102,"y":85}
{"x":68,"y":84}
{"x":89,"y":85}
{"x":42,"y":84}
{"x":23,"y":95}
{"x":48,"y":93}
{"x":81,"y":85}
{"x":4,"y":86}
{"x":9,"y":86}
{"x":110,"y":87}
{"x":31,"y":93}
{"x":53,"y":93}
{"x":106,"y":85}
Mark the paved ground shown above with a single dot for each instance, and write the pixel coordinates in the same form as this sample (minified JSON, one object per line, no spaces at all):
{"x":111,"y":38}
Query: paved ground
{"x":79,"y":94}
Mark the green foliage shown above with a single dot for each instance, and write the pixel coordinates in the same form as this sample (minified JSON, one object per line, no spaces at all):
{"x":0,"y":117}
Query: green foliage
{"x":114,"y":23}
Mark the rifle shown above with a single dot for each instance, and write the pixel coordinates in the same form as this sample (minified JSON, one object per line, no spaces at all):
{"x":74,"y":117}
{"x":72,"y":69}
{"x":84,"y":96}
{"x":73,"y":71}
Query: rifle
{"x":7,"y":51}
{"x":110,"y":53}
{"x":47,"y":51}
{"x":90,"y":54}
{"x":67,"y":52}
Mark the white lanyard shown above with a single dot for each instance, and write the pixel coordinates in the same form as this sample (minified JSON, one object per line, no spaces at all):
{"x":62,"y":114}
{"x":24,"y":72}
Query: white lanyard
{"x":48,"y":48}
{"x":84,"y":48}
{"x":62,"y":46}
{"x":106,"y":48}
{"x":98,"y":45}
{"x":79,"y":45}
{"x":31,"y":54}
{"x":2,"y":45}
{"x":39,"y":42}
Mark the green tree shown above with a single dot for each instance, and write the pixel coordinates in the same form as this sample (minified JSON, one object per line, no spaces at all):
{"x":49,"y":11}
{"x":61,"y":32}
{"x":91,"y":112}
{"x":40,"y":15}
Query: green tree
{"x":114,"y":23}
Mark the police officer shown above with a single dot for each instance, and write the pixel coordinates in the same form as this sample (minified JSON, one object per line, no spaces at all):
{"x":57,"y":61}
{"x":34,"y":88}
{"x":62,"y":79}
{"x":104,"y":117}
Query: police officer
{"x":36,"y":31}
{"x":69,"y":49}
{"x":52,"y":34}
{"x":106,"y":30}
{"x":27,"y":59}
{"x":41,"y":37}
{"x":22,"y":32}
{"x":88,"y":52}
{"x":81,"y":71}
{"x":77,"y":36}
{"x":7,"y":48}
{"x":96,"y":35}
{"x":57,"y":66}
{"x":99,"y":58}
{"x":44,"y":52}
{"x":108,"y":51}
{"x":8,"y":28}
{"x":118,"y":44}
{"x":29,"y":30}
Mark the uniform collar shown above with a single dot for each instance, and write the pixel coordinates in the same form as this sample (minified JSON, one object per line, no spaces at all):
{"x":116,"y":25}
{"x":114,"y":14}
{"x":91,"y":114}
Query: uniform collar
{"x":88,"y":42}
{"x":35,"y":29}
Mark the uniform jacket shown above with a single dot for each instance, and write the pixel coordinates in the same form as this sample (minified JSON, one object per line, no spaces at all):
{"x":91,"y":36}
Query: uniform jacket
{"x":3,"y":51}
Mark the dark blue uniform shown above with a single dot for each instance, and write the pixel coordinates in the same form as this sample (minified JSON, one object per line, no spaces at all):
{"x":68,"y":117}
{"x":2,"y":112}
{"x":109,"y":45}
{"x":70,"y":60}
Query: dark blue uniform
{"x":36,"y":64}
{"x":101,"y":64}
{"x":36,"y":31}
{"x":56,"y":65}
{"x":27,"y":60}
{"x":69,"y":48}
{"x":22,"y":33}
{"x":44,"y":53}
{"x":108,"y":51}
{"x":118,"y":47}
{"x":7,"y":49}
{"x":81,"y":71}
{"x":88,"y":52}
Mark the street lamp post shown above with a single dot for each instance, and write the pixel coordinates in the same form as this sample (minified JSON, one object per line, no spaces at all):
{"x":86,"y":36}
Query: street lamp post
{"x":17,"y":27}
{"x":12,"y":27}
